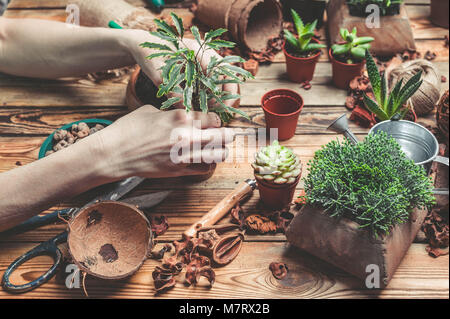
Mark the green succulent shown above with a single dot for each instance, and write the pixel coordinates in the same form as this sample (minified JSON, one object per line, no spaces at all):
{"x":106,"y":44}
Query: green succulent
{"x":182,"y":72}
{"x":302,"y":44}
{"x":389,"y":105}
{"x":354,"y":49}
{"x":277,"y":164}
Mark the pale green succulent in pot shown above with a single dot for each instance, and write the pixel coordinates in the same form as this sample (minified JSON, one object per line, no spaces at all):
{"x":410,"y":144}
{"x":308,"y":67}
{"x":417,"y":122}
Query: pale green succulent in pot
{"x":277,"y":164}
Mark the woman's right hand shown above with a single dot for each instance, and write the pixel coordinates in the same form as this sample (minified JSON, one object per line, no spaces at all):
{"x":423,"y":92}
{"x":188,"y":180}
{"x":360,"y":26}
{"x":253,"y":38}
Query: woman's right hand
{"x":149,"y":143}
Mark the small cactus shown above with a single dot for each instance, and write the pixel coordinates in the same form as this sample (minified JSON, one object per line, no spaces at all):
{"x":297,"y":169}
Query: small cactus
{"x":277,"y":164}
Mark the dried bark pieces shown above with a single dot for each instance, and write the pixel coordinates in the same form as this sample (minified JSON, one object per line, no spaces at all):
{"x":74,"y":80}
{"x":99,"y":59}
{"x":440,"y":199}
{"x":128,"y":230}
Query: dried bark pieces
{"x":159,"y":225}
{"x":160,"y":253}
{"x":436,"y":230}
{"x":108,"y":253}
{"x":279,"y":270}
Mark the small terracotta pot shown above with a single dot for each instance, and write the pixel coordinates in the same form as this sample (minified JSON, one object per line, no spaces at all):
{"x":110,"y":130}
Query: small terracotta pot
{"x":439,"y":13}
{"x":344,"y":73}
{"x":300,"y":69}
{"x":276,"y":196}
{"x":282,"y":108}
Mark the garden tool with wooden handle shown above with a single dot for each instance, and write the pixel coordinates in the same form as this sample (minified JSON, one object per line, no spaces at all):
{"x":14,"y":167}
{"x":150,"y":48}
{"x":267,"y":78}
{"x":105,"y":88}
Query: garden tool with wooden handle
{"x":222,"y":208}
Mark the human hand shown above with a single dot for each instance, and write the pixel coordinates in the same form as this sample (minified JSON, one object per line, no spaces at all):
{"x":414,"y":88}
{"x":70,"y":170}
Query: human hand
{"x":152,"y":68}
{"x":147,"y":143}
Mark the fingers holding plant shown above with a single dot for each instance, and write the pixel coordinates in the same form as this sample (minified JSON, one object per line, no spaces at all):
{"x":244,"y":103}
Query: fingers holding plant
{"x":158,"y":144}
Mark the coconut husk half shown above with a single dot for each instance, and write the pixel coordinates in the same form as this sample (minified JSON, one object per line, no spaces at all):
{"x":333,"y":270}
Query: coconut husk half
{"x":110,"y":240}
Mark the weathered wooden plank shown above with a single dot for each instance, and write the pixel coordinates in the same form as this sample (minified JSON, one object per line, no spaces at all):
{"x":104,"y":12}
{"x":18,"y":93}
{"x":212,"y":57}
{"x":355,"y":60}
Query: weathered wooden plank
{"x":37,"y":121}
{"x":419,"y":276}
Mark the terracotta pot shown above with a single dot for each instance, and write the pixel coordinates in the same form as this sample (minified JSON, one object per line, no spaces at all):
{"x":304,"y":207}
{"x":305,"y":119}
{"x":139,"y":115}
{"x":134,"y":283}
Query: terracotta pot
{"x":439,"y":13}
{"x":282,"y":108}
{"x":276,"y":196}
{"x":344,"y":73}
{"x":300,"y":69}
{"x":137,"y":84}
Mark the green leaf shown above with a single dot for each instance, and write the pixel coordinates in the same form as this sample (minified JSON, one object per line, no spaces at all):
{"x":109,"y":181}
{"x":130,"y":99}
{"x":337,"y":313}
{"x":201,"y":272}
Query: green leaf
{"x":383,"y":91}
{"x":392,"y":105}
{"x":374,"y":108}
{"x":163,"y":26}
{"x":237,"y":111}
{"x":214,"y":34}
{"x":343,"y":33}
{"x":209,"y":84}
{"x":212,"y":63}
{"x":363,"y":40}
{"x":374,"y":76}
{"x":156,"y":46}
{"x":168,"y":67}
{"x":229,"y":96}
{"x":170,"y":102}
{"x":187,"y":97}
{"x":218,"y":44}
{"x":358,"y":52}
{"x":409,"y":92}
{"x":238,"y":70}
{"x":159,"y":54}
{"x":298,"y":23}
{"x":196,"y":34}
{"x":365,"y":46}
{"x":314,"y":46}
{"x":178,"y":24}
{"x":232,"y":59}
{"x":190,"y":73}
{"x":339,"y":49}
{"x":203,"y":101}
{"x":414,"y":79}
{"x":291,"y":39}
{"x":175,"y":78}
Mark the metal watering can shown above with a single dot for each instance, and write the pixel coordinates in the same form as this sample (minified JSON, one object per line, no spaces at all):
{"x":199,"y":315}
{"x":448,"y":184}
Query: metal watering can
{"x":418,"y":143}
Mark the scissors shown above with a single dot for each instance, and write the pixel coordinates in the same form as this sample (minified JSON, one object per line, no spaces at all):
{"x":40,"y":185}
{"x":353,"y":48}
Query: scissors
{"x":50,"y":247}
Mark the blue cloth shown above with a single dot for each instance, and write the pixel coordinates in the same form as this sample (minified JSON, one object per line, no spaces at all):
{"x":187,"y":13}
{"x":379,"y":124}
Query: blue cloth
{"x":3,"y":5}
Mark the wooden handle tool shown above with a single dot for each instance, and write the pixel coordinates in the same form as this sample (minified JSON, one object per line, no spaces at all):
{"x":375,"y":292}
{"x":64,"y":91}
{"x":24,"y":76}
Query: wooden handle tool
{"x":222,"y":208}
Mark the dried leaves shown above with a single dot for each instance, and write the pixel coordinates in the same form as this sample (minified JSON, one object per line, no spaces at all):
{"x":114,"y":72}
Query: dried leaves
{"x":355,"y":101}
{"x":436,"y":230}
{"x":279,"y":270}
{"x":159,"y":225}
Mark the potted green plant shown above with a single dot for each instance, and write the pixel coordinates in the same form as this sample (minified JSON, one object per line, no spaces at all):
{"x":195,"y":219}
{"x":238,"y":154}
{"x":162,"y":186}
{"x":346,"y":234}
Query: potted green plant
{"x":348,"y":57}
{"x":389,"y":105}
{"x":183,"y":74}
{"x":309,"y":10}
{"x":302,"y":52}
{"x":365,"y":203}
{"x":277,"y":171}
{"x":387,"y":7}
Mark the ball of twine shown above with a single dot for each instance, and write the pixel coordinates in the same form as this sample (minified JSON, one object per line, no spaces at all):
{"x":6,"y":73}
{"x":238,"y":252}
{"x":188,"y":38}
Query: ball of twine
{"x":426,"y":97}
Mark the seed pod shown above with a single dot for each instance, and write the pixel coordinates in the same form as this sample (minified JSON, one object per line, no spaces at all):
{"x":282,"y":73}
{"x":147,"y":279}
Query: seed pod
{"x":227,"y":248}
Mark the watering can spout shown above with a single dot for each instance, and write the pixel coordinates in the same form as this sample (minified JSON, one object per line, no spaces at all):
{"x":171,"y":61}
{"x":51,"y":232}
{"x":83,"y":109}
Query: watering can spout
{"x":340,"y":125}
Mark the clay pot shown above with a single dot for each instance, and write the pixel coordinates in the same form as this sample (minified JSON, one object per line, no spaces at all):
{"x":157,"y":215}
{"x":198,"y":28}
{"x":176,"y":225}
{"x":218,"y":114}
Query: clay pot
{"x":439,"y":13}
{"x":344,"y":73}
{"x":110,"y":240}
{"x":276,"y":196}
{"x":141,"y":91}
{"x":300,"y":69}
{"x":282,"y":108}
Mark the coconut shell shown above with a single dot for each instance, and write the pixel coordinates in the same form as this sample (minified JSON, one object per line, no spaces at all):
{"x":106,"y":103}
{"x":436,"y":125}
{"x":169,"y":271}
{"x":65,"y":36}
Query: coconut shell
{"x":110,"y":240}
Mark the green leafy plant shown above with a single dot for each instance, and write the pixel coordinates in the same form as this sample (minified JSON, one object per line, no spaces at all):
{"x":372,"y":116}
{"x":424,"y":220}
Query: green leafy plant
{"x":354,"y":49}
{"x":372,"y":182}
{"x":386,"y":6}
{"x":302,"y":45}
{"x":182,"y":72}
{"x":390,"y":105}
{"x":277,"y":164}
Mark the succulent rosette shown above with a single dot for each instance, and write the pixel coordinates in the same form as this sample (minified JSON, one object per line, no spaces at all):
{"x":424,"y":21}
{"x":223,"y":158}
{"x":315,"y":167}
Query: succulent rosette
{"x":277,"y":164}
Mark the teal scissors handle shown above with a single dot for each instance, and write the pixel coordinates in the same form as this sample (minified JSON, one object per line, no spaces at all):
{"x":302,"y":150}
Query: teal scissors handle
{"x":48,"y":248}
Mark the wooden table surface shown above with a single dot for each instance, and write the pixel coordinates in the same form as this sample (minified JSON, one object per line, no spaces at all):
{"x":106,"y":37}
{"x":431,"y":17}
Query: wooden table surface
{"x":31,"y":109}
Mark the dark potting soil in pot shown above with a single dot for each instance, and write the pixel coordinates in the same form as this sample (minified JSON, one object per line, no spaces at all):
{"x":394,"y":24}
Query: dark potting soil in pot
{"x":146,"y":91}
{"x":298,"y":55}
{"x":359,"y":10}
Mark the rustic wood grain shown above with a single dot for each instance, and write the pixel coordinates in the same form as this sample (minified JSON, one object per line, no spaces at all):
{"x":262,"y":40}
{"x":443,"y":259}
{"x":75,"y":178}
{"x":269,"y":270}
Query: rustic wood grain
{"x":249,"y":277}
{"x":31,"y":109}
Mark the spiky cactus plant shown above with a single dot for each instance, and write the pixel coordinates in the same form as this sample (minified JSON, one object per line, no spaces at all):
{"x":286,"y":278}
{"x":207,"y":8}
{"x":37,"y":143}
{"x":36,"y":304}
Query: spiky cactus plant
{"x":277,"y":164}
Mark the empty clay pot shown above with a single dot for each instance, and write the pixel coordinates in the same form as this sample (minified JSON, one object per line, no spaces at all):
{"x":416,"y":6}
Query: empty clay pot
{"x":282,"y":108}
{"x":276,"y":196}
{"x":343,"y":73}
{"x":110,"y":240}
{"x":300,"y":69}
